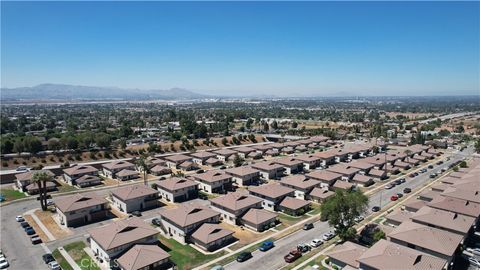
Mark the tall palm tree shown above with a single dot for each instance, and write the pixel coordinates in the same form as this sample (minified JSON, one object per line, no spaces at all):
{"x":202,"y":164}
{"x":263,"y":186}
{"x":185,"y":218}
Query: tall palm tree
{"x":41,"y":178}
{"x":142,"y":164}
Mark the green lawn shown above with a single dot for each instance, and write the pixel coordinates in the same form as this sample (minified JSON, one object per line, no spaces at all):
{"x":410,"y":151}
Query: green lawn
{"x":61,"y":260}
{"x":65,"y":188}
{"x":76,"y":251}
{"x":290,"y":220}
{"x":184,"y":256}
{"x":315,"y":211}
{"x":11,"y":194}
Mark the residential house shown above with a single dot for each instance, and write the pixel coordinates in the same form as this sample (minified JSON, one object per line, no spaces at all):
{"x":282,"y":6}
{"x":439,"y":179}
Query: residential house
{"x":433,"y":241}
{"x":159,"y":170}
{"x":362,"y":180}
{"x":346,"y":254}
{"x":201,"y":157}
{"x":25,"y":179}
{"x":225,"y":154}
{"x":214,"y":181}
{"x":179,"y":223}
{"x":134,"y":198}
{"x":73,"y":173}
{"x":174,"y":161}
{"x":259,"y":219}
{"x":310,"y":162}
{"x":88,"y":180}
{"x":346,"y":171}
{"x":326,"y":178}
{"x":244,"y":151}
{"x":144,"y":257}
{"x":294,"y":207}
{"x":111,"y":169}
{"x":211,"y":237}
{"x":398,"y":216}
{"x":272,"y":194}
{"x":290,"y":164}
{"x":234,"y":205}
{"x":244,"y":175}
{"x":389,"y":255}
{"x":111,"y":241}
{"x":319,"y":195}
{"x":177,"y":189}
{"x":301,"y":184}
{"x":127,"y":174}
{"x":269,"y":170}
{"x":80,"y":209}
{"x":445,"y":220}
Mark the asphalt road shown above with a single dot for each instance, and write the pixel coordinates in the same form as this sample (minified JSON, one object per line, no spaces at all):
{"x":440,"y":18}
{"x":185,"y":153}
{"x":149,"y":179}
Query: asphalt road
{"x":273,"y":259}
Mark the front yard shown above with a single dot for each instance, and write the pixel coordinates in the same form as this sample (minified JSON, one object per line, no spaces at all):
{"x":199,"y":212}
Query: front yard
{"x":84,"y":261}
{"x":184,"y":256}
{"x":61,"y":260}
{"x":11,"y":194}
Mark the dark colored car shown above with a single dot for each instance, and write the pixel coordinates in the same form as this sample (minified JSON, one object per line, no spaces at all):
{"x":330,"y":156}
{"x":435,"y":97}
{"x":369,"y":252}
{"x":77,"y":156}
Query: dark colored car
{"x":397,"y":182}
{"x":136,"y":213}
{"x":375,"y":208}
{"x":430,"y":166}
{"x":407,"y":190}
{"x":244,"y":256}
{"x":30,"y":231}
{"x":24,"y":224}
{"x":412,"y":175}
{"x":394,"y":198}
{"x":48,"y":258}
{"x":266,"y":246}
{"x":156,"y":221}
{"x":292,"y":256}
{"x":399,"y":195}
{"x":308,"y":226}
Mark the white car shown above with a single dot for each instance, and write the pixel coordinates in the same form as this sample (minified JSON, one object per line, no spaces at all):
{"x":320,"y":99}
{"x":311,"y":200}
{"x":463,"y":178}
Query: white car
{"x":475,"y":251}
{"x":316,"y":243}
{"x":50,"y":202}
{"x":473,"y":261}
{"x":19,"y":219}
{"x":54,"y":265}
{"x":327,"y":236}
{"x":358,"y":219}
{"x":3,"y":263}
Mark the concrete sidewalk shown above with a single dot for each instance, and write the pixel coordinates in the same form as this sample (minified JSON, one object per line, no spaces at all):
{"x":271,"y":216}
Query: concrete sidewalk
{"x":69,"y":259}
{"x":41,"y":225}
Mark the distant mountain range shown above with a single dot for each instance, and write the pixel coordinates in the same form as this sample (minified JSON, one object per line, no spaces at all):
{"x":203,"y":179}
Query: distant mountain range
{"x":50,"y":91}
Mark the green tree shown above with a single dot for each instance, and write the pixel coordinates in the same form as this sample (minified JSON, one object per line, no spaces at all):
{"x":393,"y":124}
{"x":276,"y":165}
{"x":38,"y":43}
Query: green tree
{"x":477,"y":146}
{"x":342,"y":209}
{"x":41,"y":178}
{"x":238,"y":161}
{"x":377,"y":235}
{"x":143,"y":166}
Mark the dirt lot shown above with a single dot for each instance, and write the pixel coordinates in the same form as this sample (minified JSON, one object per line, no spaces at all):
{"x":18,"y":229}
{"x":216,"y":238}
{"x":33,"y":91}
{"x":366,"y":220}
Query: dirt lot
{"x":37,"y":229}
{"x":52,"y":226}
{"x":244,"y":236}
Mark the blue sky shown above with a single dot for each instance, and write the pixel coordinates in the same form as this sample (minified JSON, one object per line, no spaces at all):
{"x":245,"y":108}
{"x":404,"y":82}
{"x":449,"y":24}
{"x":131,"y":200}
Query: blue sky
{"x":270,"y":48}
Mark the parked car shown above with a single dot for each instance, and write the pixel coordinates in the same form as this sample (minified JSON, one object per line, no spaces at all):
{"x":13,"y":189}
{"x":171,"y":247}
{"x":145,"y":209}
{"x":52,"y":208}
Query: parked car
{"x":475,"y":251}
{"x":316,"y":243}
{"x":308,"y":226}
{"x":292,"y":256}
{"x":48,"y":258}
{"x":217,"y":267}
{"x":430,"y":166}
{"x":24,"y":224}
{"x":244,"y":256}
{"x":358,"y":219}
{"x":407,"y":190}
{"x":21,"y":169}
{"x":35,"y":239}
{"x":54,"y":265}
{"x":50,"y":202}
{"x":399,"y":195}
{"x":266,"y":246}
{"x":30,"y":231}
{"x":439,"y":162}
{"x":389,"y":186}
{"x":327,"y":236}
{"x":19,"y":219}
{"x":473,"y":261}
{"x":156,"y":221}
{"x":397,"y":182}
{"x":412,"y":175}
{"x":402,"y":180}
{"x":304,"y":248}
{"x":375,"y":208}
{"x":433,"y":175}
{"x":4,"y":263}
{"x":394,"y":198}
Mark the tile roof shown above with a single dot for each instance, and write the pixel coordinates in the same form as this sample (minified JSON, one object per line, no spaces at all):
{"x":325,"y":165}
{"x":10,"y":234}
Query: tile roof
{"x":343,"y":185}
{"x":293,"y":203}
{"x":414,"y":204}
{"x":243,"y":171}
{"x":212,"y":176}
{"x":361,"y":165}
{"x":80,"y":169}
{"x":189,"y":213}
{"x":323,"y":175}
{"x":208,"y":233}
{"x":455,"y":205}
{"x":78,"y":201}
{"x":444,"y":219}
{"x":258,"y":216}
{"x":126,"y":172}
{"x":267,"y":166}
{"x":175,"y":183}
{"x":178,"y":158}
{"x":288,"y":161}
{"x":121,"y":232}
{"x":427,"y":237}
{"x":347,"y":253}
{"x":388,"y":255}
{"x":399,"y":216}
{"x":472,"y":194}
{"x":87,"y":179}
{"x":140,"y":256}
{"x":321,"y":193}
{"x":203,"y":154}
{"x":225,"y":152}
{"x":27,"y":176}
{"x":272,"y":190}
{"x":118,"y":164}
{"x":300,"y":181}
{"x":133,"y":192}
{"x":236,"y":200}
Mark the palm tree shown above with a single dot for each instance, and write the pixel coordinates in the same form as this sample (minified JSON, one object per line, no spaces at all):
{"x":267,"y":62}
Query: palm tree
{"x":41,"y":178}
{"x":142,"y":164}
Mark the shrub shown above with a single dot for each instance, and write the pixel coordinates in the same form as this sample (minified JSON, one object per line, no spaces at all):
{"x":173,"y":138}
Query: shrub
{"x":5,"y":164}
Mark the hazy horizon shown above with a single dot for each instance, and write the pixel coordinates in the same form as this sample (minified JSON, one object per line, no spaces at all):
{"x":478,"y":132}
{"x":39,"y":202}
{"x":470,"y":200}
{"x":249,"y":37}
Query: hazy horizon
{"x":246,"y":49}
